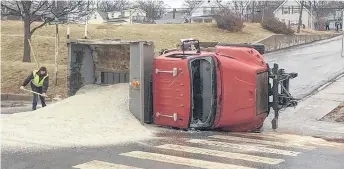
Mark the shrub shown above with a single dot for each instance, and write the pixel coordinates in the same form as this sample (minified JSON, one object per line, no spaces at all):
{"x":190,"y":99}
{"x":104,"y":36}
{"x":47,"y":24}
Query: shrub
{"x":228,"y":21}
{"x":276,"y":26}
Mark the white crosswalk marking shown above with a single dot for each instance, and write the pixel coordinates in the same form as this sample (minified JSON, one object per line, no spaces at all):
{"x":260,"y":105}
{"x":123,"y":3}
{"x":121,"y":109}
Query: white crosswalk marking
{"x":239,"y":151}
{"x":181,"y":160}
{"x":301,"y":139}
{"x":244,"y":147}
{"x":224,"y":154}
{"x":95,"y":164}
{"x":286,"y":144}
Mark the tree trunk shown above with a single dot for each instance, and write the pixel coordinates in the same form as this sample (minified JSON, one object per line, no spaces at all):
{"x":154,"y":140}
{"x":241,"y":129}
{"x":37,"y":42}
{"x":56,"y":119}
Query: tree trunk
{"x":300,"y":18}
{"x":27,"y":37}
{"x":253,"y":5}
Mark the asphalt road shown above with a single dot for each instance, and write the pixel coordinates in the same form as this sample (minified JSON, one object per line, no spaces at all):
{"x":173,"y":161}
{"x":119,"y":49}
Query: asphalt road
{"x":183,"y":150}
{"x":316,"y":64}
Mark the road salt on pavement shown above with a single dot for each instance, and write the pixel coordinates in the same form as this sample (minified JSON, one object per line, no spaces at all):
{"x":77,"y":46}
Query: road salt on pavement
{"x":95,"y":116}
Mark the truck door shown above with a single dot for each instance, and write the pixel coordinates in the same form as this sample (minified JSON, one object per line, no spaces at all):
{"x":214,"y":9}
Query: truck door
{"x":171,"y":93}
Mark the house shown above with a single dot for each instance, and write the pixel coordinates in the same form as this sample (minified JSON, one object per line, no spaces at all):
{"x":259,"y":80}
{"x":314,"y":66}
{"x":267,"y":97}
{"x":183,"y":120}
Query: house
{"x":128,"y":16}
{"x":203,"y":12}
{"x":98,"y":17}
{"x":172,"y":17}
{"x":289,"y":13}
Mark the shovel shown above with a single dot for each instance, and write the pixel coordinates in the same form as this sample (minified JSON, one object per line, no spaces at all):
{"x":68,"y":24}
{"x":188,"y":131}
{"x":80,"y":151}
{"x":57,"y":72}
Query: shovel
{"x":36,"y":93}
{"x":55,"y":99}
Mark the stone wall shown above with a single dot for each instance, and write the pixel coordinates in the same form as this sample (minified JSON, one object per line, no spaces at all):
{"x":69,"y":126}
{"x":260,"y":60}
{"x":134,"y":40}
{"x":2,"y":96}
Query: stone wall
{"x":276,"y":42}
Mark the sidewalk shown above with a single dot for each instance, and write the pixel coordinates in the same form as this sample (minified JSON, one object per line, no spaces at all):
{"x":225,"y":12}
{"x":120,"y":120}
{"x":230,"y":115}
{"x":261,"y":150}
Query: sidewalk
{"x":304,"y":119}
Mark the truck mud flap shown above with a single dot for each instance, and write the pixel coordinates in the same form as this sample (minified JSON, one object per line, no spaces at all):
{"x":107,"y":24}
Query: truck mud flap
{"x":279,"y":90}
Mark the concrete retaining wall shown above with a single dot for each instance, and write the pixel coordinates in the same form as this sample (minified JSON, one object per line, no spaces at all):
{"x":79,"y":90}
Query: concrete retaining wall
{"x":15,"y":97}
{"x":276,"y":42}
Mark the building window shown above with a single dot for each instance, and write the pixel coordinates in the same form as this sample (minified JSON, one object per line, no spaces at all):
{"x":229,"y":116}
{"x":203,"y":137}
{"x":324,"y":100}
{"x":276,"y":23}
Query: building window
{"x":113,"y":15}
{"x":285,"y":10}
{"x":95,"y":16}
{"x":296,"y":10}
{"x":204,"y":10}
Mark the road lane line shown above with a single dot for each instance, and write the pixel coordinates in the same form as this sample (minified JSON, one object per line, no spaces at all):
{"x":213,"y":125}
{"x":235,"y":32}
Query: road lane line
{"x":250,"y":140}
{"x":244,"y":147}
{"x":224,"y":154}
{"x":95,"y":164}
{"x":181,"y":160}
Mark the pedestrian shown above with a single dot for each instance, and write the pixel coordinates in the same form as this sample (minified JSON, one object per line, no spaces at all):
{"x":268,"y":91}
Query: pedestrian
{"x":327,"y":23}
{"x":39,"y":83}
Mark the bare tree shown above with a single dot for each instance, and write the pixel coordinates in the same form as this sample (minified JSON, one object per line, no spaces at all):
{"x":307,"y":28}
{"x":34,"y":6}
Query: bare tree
{"x":191,"y":4}
{"x":114,"y":5}
{"x":321,"y":9}
{"x":154,"y":9}
{"x":263,"y":9}
{"x":317,"y":8}
{"x":42,"y":11}
{"x":300,"y":16}
{"x":240,"y":7}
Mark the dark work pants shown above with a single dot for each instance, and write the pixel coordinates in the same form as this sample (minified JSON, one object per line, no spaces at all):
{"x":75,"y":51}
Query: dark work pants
{"x":327,"y":27}
{"x":35,"y":97}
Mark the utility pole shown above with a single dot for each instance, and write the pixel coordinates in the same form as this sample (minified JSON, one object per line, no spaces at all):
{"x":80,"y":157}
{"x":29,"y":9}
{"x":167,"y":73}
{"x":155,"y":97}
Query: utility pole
{"x":68,"y":26}
{"x":86,"y":24}
{"x":311,"y":16}
{"x":263,"y":13}
{"x":68,"y":29}
{"x":56,"y":47}
{"x":86,"y":20}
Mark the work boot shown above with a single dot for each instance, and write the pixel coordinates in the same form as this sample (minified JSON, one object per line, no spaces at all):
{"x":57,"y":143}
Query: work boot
{"x":33,"y":108}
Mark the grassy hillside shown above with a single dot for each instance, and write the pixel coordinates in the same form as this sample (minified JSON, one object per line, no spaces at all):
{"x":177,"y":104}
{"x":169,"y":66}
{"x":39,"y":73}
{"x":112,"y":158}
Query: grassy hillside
{"x":165,"y":36}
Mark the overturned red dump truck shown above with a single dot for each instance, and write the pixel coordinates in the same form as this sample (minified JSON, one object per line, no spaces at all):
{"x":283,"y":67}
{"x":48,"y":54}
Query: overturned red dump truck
{"x":219,"y":86}
{"x":231,"y":88}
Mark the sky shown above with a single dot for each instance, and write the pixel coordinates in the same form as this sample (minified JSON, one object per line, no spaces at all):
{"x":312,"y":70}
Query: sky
{"x":174,"y":3}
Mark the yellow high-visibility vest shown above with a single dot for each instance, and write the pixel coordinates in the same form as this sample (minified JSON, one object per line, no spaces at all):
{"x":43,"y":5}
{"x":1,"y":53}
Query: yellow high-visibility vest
{"x":36,"y":81}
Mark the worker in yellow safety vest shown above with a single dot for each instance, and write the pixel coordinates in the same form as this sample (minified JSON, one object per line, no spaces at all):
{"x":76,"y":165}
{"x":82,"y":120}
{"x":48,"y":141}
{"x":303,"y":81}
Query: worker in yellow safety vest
{"x":39,"y":83}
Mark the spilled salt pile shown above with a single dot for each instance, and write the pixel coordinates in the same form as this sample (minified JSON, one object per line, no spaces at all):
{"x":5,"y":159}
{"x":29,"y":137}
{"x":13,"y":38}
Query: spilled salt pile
{"x":95,"y":116}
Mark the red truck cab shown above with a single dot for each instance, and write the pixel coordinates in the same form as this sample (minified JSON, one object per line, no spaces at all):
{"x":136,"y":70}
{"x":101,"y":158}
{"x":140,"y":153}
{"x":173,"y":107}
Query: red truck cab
{"x":226,"y":89}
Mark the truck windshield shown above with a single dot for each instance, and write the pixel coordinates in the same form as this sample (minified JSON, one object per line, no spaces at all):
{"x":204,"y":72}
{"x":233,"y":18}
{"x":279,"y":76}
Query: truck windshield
{"x":203,"y":91}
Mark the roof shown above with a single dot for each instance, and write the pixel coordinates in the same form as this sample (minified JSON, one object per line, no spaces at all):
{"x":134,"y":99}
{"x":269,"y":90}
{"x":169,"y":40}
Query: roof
{"x":285,"y":1}
{"x":102,"y":14}
{"x":168,"y":18}
{"x":203,"y":1}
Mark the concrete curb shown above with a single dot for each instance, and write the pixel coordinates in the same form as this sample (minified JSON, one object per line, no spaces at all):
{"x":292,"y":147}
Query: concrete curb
{"x":15,"y":97}
{"x":278,"y":42}
{"x":305,"y":118}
